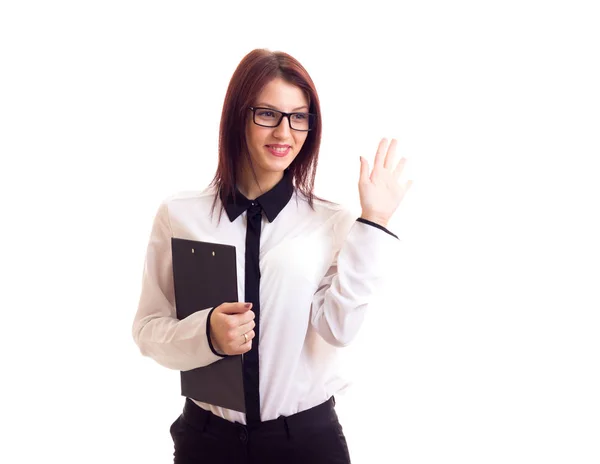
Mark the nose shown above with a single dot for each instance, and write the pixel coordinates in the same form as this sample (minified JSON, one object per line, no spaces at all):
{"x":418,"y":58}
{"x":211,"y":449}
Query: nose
{"x":283,"y":130}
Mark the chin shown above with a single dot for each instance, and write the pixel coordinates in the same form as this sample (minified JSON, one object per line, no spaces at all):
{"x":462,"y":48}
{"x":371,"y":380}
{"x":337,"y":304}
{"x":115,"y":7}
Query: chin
{"x":278,"y":164}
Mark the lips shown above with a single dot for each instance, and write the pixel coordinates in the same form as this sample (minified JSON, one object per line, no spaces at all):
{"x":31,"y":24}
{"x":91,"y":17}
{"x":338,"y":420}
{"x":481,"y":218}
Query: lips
{"x":278,"y":150}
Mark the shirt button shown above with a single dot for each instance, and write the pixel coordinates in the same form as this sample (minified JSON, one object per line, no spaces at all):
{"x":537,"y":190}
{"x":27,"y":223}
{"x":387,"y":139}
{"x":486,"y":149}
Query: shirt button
{"x":243,"y":435}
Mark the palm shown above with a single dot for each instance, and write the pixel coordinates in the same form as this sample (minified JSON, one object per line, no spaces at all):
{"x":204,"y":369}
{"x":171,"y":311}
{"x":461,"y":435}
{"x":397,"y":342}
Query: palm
{"x":380,"y":192}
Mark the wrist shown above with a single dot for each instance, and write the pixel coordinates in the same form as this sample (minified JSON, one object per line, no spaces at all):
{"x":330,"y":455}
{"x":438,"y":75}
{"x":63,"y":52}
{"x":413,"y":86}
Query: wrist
{"x":211,"y":340}
{"x":376,"y":219}
{"x":216,"y":346}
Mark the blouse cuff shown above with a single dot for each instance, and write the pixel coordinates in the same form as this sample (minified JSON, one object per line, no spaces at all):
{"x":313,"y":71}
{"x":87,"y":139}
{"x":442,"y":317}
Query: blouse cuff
{"x":212,"y":348}
{"x":379,"y":226}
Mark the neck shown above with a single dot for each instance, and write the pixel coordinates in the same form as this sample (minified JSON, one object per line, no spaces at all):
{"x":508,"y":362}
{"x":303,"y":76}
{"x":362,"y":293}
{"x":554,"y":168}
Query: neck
{"x":248,"y":186}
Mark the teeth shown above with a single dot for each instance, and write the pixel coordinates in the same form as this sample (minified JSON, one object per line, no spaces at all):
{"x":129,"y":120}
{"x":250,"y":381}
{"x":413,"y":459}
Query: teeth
{"x":282,"y":150}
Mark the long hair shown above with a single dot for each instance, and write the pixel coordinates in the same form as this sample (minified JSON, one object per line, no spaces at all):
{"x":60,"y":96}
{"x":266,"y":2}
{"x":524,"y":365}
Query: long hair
{"x":256,"y":70}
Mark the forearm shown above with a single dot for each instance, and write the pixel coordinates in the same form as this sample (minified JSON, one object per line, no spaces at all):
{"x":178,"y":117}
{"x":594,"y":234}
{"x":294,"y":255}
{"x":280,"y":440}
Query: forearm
{"x":175,"y":344}
{"x":357,"y":274}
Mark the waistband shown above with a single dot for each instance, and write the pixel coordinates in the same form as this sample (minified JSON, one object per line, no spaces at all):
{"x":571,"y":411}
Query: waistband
{"x":203,"y":420}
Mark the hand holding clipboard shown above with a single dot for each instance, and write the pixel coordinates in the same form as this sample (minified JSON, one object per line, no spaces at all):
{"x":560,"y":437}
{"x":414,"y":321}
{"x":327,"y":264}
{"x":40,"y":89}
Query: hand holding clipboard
{"x":231,"y":328}
{"x":205,"y":276}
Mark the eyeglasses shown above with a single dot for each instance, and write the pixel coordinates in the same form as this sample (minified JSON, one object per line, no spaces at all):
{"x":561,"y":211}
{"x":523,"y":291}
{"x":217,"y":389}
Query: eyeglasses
{"x":267,"y":117}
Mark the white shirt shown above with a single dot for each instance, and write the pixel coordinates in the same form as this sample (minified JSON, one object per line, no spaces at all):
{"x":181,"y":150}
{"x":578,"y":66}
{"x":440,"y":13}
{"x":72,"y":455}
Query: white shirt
{"x":319,"y":270}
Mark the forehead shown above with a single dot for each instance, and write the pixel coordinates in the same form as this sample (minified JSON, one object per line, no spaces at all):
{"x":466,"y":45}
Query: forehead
{"x":282,"y":95}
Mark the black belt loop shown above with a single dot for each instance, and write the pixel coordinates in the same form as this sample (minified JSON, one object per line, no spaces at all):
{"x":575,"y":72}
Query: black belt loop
{"x":287,"y":428}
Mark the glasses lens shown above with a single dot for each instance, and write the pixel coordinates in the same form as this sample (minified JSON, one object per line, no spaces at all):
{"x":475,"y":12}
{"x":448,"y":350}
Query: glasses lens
{"x":301,"y":121}
{"x":266,"y":117}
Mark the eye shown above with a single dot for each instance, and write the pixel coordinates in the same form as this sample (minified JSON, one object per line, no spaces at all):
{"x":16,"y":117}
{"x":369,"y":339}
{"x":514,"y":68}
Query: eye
{"x":300,"y":116}
{"x":266,"y":113}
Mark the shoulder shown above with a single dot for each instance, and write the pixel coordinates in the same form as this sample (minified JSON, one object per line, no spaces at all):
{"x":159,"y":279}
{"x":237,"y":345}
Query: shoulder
{"x":181,"y":205}
{"x":322,"y":205}
{"x":186,"y":199}
{"x":340,"y":215}
{"x":189,"y":196}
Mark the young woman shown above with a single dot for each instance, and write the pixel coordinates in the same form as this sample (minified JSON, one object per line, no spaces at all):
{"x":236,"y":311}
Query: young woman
{"x":306,"y":268}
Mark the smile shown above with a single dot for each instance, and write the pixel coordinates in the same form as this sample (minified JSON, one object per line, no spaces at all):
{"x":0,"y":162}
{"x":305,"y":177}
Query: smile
{"x":279,"y":151}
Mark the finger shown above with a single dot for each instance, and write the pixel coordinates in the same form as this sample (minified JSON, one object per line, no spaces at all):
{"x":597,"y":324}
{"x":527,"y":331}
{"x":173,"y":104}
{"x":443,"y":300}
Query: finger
{"x":241,"y":349}
{"x":241,"y":319}
{"x":235,"y":308}
{"x":245,"y":347}
{"x":247,"y":340}
{"x":399,"y":168}
{"x":380,"y":155}
{"x":247,"y":327}
{"x":240,"y":344}
{"x":364,"y":170}
{"x":391,"y":155}
{"x":249,"y":336}
{"x":245,"y":337}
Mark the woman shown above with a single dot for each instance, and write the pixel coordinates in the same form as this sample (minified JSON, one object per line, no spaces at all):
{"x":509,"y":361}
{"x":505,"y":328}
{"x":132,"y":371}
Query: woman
{"x":306,"y":268}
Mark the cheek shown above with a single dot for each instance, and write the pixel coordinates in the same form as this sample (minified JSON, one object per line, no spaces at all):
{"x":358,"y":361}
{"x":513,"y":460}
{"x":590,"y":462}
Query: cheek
{"x":301,"y":140}
{"x":255,"y":137}
{"x":252,"y":139}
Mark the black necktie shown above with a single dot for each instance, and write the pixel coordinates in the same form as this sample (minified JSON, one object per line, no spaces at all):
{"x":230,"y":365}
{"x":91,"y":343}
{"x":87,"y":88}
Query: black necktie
{"x":252,"y":282}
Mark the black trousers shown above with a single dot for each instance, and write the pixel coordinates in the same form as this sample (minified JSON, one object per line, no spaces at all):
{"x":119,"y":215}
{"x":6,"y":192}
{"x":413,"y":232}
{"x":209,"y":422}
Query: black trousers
{"x":314,"y":436}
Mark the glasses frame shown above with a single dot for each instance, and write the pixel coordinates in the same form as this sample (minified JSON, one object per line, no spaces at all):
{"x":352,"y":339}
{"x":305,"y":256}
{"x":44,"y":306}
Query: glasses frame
{"x":283,"y":115}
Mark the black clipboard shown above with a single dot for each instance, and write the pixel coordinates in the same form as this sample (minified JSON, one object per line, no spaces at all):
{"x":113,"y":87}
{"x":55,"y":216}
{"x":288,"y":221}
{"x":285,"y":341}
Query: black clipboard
{"x":205,"y":275}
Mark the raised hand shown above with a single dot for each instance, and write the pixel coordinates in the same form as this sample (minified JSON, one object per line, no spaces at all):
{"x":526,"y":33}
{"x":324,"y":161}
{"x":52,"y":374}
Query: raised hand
{"x":380,"y":191}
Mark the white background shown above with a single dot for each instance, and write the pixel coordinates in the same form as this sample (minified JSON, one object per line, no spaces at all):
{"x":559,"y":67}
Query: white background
{"x":486,"y":351}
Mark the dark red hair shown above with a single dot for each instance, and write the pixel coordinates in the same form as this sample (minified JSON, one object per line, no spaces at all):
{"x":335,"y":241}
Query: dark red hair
{"x":256,"y":70}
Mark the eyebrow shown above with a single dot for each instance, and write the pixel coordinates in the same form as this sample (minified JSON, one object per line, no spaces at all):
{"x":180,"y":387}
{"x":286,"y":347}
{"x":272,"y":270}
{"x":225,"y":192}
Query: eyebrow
{"x":273,"y":106}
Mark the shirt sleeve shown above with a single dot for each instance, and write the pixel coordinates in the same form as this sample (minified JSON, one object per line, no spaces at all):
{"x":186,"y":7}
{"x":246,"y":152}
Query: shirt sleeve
{"x":173,"y":343}
{"x":362,"y":264}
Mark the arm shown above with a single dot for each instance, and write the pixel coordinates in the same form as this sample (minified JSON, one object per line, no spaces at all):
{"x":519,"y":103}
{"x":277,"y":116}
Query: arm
{"x":362,"y":261}
{"x":180,"y":345}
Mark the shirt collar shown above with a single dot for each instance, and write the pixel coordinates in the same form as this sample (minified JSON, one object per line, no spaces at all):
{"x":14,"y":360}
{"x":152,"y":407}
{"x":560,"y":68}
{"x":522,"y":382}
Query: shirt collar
{"x":272,"y":202}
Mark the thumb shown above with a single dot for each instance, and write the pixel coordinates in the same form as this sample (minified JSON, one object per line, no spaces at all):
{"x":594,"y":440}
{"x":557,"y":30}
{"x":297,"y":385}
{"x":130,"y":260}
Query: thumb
{"x":234,"y":308}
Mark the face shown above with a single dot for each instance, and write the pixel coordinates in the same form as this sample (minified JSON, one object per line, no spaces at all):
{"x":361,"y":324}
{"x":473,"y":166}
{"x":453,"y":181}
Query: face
{"x":282,"y":96}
